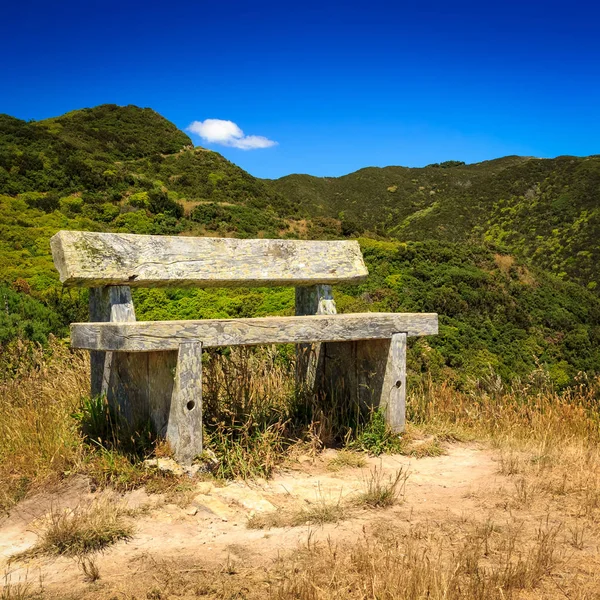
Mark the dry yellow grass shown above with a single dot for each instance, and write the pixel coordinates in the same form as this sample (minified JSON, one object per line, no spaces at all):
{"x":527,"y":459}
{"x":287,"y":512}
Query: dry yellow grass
{"x":455,"y":560}
{"x":538,"y":538}
{"x":320,"y":512}
{"x":79,"y":531}
{"x":484,"y":565}
{"x":378,"y":492}
{"x":346,"y":459}
{"x":382,"y":492}
{"x":38,"y":439}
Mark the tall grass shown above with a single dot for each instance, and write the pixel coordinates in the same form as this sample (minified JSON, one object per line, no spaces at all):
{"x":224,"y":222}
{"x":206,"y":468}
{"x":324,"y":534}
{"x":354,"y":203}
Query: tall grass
{"x":416,"y":564}
{"x":84,"y":529}
{"x":547,"y":442}
{"x":39,"y":440}
{"x":253,"y":414}
{"x":528,"y":411}
{"x":248,"y":404}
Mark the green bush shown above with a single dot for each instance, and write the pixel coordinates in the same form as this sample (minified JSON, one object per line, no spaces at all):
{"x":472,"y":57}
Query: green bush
{"x":159,"y":202}
{"x":71,"y":205}
{"x":139,"y":199}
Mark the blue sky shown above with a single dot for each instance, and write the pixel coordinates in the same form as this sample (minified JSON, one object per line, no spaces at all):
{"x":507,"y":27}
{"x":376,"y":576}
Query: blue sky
{"x":338,"y":86}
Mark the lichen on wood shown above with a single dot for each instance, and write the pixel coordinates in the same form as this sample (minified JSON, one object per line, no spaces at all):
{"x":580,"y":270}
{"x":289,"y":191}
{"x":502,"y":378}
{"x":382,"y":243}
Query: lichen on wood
{"x":90,"y":259}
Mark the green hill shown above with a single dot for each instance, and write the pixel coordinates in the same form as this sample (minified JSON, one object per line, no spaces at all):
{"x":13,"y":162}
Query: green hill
{"x":124,"y":166}
{"x":495,"y":248}
{"x":117,"y":132}
{"x":545,"y":210}
{"x":79,"y":150}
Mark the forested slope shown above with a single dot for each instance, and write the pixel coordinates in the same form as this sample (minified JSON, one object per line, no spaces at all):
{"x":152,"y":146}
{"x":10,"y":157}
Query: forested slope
{"x":499,"y":249}
{"x":545,"y":210}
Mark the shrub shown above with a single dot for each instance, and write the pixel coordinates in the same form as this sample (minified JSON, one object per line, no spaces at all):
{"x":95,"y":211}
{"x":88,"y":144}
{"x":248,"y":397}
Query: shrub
{"x":159,"y":202}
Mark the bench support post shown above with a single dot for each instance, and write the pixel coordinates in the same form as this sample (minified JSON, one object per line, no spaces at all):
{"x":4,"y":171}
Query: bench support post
{"x":371,"y":373}
{"x":312,"y":300}
{"x":120,"y":376}
{"x":388,"y":383}
{"x":184,"y":429}
{"x":139,"y":386}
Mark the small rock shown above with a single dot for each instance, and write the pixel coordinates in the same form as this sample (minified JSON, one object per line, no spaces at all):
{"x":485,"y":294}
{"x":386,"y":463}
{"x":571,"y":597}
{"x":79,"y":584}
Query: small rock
{"x":204,"y":487}
{"x":213,"y":506}
{"x":165,"y":464}
{"x":172,"y":466}
{"x":245,"y":497}
{"x":192,"y":470}
{"x":192,"y":511}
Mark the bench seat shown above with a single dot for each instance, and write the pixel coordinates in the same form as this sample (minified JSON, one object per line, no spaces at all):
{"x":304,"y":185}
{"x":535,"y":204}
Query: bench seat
{"x":147,"y":336}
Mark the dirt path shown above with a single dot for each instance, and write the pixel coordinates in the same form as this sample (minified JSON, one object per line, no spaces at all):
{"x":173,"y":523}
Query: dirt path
{"x":212,"y":527}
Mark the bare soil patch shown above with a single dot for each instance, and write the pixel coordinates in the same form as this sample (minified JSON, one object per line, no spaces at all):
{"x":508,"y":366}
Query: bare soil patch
{"x":202,"y":547}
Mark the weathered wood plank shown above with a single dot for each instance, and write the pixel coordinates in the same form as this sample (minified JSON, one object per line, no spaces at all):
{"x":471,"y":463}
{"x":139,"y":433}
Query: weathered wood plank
{"x":370,"y":373}
{"x":167,"y":335}
{"x":184,"y":430}
{"x":159,"y":387}
{"x":92,"y":259}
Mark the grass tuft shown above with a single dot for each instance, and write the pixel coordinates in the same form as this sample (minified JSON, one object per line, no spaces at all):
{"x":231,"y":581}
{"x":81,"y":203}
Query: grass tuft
{"x":376,"y":437}
{"x":81,"y":530}
{"x":426,"y":448}
{"x":16,"y":591}
{"x":346,"y":459}
{"x":381,"y":491}
{"x":90,"y":569}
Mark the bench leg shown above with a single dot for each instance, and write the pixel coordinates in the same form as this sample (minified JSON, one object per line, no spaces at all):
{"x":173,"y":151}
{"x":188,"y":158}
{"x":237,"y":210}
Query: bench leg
{"x":120,"y":376}
{"x":184,"y":429}
{"x":392,"y":398}
{"x":107,"y":304}
{"x":139,"y":386}
{"x":312,"y":300}
{"x":370,"y":373}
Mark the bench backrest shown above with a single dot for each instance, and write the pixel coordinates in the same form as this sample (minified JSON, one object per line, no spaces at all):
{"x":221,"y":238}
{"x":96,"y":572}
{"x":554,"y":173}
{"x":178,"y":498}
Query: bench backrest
{"x":90,"y":259}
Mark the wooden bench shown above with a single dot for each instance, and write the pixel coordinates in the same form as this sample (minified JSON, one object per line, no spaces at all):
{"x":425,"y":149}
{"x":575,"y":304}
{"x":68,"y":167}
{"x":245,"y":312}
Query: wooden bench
{"x":153,"y":370}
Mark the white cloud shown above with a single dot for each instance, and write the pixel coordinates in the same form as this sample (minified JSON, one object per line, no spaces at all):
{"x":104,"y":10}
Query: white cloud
{"x":227,"y":133}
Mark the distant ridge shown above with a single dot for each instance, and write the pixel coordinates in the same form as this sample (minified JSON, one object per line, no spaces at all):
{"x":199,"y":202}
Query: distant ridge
{"x":547,"y":210}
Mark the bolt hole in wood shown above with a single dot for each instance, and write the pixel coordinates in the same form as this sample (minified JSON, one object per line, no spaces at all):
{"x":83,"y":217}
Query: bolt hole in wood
{"x":191,"y":405}
{"x":398,"y":383}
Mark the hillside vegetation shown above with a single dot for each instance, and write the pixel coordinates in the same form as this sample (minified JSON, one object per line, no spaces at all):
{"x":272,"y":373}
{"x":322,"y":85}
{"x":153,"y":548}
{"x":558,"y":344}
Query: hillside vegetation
{"x":125,"y":166}
{"x":545,"y":210}
{"x":78,"y":151}
{"x":498,"y":249}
